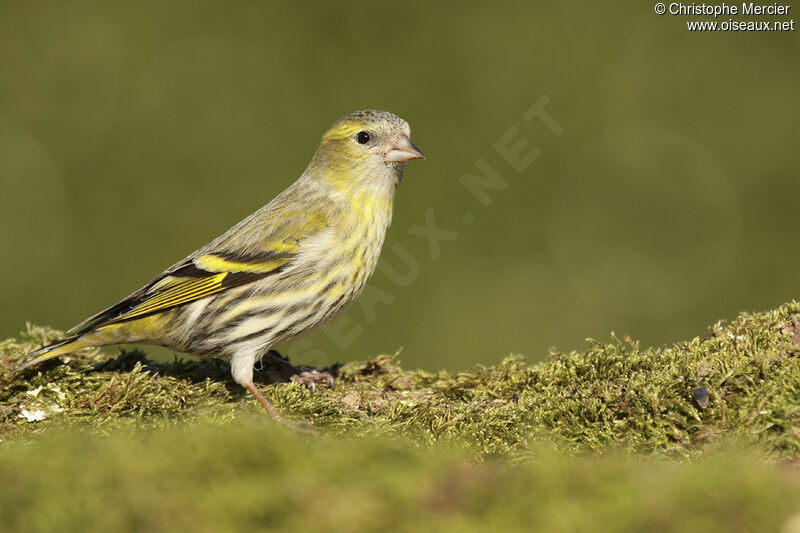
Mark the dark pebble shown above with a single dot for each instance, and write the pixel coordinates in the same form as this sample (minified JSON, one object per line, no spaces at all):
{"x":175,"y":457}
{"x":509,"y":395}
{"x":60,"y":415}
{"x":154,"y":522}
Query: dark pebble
{"x":700,"y":395}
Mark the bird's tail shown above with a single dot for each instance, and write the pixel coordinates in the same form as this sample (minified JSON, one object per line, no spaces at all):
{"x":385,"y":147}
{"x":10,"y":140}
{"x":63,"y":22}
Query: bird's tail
{"x":54,"y":349}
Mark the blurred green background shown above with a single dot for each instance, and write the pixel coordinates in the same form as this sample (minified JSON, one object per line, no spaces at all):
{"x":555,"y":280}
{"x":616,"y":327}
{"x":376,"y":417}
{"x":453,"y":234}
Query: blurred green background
{"x":131,"y":134}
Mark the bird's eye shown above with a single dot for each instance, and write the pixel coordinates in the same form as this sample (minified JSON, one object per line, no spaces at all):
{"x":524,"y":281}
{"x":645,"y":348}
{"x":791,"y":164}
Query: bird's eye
{"x":363,"y":137}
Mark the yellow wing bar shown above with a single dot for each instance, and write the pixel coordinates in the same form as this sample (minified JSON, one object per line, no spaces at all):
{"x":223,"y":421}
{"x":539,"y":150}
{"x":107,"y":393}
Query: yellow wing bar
{"x":179,"y":291}
{"x":216,"y":263}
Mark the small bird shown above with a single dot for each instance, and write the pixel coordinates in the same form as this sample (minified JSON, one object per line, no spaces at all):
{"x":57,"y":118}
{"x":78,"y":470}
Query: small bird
{"x":288,"y":268}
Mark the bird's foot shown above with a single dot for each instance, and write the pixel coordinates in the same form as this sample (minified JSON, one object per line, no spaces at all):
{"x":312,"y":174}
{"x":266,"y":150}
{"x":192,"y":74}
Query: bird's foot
{"x":298,"y":374}
{"x":310,"y":378}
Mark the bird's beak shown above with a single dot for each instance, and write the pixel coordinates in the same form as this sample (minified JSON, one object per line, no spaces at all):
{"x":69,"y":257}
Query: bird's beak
{"x":403,"y":150}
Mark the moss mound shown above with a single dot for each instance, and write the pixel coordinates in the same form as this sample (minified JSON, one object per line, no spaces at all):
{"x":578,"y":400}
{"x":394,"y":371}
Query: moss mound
{"x":117,"y":441}
{"x":741,"y":380}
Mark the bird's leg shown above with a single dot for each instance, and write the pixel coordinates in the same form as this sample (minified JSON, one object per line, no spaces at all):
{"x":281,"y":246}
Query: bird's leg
{"x":260,"y":397}
{"x":275,"y":414}
{"x":303,"y":375}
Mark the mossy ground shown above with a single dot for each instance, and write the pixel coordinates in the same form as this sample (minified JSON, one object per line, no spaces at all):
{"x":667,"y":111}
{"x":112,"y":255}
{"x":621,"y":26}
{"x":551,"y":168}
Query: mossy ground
{"x":701,"y":435}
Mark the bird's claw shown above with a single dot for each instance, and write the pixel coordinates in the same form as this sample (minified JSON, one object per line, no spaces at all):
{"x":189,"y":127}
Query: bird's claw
{"x":302,"y":375}
{"x":310,"y":379}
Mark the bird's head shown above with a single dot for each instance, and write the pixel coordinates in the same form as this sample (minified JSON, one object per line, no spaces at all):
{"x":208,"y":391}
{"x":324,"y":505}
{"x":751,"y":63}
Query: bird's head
{"x":365,"y":146}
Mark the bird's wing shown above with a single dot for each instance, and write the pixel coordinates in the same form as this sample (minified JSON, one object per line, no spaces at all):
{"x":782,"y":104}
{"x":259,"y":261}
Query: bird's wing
{"x":215,"y":268}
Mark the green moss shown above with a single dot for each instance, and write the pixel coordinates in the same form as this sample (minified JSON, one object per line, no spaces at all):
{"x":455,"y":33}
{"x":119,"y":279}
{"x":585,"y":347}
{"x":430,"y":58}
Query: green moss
{"x":613,"y":395}
{"x":253,"y":475}
{"x":580,"y":440}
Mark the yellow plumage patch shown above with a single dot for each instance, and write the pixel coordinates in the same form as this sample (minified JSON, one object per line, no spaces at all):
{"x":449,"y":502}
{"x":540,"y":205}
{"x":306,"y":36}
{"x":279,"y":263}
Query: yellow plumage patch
{"x":215,"y":263}
{"x":345,"y":128}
